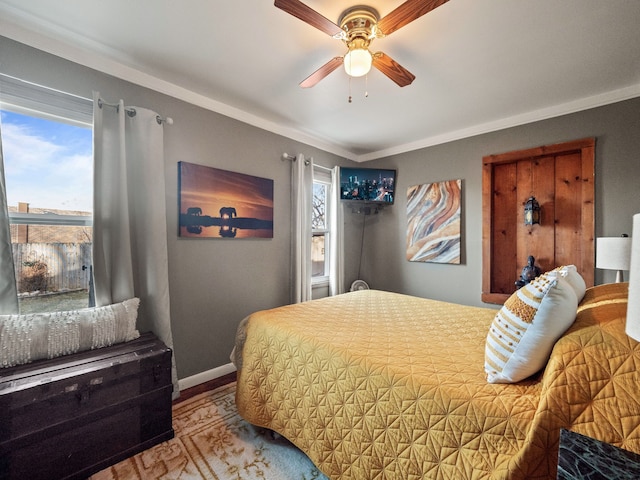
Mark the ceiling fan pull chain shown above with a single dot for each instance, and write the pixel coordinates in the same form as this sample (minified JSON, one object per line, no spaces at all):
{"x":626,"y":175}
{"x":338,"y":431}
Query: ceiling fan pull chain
{"x":349,"y":89}
{"x":366,"y":86}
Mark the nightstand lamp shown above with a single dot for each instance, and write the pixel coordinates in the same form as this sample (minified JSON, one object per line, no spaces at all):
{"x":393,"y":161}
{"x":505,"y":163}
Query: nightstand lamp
{"x":614,"y":253}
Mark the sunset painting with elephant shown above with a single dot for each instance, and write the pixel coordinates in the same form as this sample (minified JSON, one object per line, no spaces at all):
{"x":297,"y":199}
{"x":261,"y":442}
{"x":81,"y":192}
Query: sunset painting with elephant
{"x":217,"y":203}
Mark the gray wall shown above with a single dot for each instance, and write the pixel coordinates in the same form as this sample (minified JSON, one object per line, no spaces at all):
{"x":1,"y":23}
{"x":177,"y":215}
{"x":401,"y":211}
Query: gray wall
{"x":214,"y":283}
{"x":616,"y":128}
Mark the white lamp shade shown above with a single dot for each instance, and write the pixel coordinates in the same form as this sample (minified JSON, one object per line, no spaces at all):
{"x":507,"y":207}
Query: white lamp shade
{"x":633,"y":307}
{"x":357,"y":62}
{"x":613,"y":253}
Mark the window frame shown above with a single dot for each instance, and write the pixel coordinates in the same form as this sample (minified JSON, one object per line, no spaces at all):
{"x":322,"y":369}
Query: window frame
{"x":27,"y":98}
{"x":30,"y":99}
{"x":20,"y":218}
{"x":322,"y":175}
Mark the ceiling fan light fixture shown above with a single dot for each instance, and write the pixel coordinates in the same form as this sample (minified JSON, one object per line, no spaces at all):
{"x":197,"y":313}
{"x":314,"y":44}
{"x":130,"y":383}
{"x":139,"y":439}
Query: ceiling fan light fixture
{"x":357,"y":27}
{"x":357,"y":62}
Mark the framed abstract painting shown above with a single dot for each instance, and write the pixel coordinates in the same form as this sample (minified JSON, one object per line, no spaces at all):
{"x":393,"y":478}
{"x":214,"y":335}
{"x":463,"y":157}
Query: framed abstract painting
{"x":433,"y":222}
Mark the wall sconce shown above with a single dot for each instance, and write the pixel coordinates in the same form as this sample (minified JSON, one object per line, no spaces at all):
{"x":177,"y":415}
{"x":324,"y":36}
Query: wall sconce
{"x":614,"y":253}
{"x":532,"y":212}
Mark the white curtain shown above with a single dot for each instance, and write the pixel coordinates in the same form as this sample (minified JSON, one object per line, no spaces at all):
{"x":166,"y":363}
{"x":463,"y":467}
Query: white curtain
{"x":8,"y":289}
{"x":336,"y":239}
{"x":301,"y":198}
{"x":130,"y":256}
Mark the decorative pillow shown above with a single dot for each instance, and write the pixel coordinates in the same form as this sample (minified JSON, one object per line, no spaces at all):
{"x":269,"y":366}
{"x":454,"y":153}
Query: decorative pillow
{"x":570,"y":273}
{"x":33,"y":336}
{"x":605,"y":292}
{"x":527,"y":327}
{"x":603,"y":303}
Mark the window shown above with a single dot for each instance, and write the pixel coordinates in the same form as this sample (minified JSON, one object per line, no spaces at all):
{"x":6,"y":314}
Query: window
{"x":48,"y":160}
{"x":320,"y":224}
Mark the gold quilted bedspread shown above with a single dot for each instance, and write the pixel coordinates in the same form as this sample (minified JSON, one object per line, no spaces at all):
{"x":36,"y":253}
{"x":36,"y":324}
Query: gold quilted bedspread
{"x":375,"y":385}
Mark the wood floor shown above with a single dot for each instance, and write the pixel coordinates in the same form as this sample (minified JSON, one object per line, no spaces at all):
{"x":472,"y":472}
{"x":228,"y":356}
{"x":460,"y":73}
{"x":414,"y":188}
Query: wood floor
{"x":203,"y":387}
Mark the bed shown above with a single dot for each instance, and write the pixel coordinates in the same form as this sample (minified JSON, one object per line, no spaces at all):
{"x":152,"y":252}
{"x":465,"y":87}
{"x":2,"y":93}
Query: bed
{"x":374,"y":384}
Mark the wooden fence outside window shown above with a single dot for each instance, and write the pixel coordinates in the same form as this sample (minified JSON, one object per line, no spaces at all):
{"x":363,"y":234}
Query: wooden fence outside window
{"x":52,"y":267}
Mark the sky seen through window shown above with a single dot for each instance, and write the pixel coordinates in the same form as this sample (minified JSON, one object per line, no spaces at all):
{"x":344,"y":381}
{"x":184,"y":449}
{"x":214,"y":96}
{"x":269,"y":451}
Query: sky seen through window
{"x":47,"y":164}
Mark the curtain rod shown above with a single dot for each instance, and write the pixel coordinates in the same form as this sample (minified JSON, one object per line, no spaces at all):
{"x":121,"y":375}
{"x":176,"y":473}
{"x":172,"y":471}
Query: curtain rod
{"x":286,"y":156}
{"x":293,"y":158}
{"x":132,"y":112}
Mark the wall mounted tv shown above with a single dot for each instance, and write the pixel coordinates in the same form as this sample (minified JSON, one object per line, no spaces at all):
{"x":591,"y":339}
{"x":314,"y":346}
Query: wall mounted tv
{"x":367,"y":185}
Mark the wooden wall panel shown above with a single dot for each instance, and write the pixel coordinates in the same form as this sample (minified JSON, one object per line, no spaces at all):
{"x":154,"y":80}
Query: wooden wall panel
{"x":561,"y":178}
{"x":536,"y":179}
{"x":568,"y":221}
{"x":588,"y":212}
{"x":505,"y":221}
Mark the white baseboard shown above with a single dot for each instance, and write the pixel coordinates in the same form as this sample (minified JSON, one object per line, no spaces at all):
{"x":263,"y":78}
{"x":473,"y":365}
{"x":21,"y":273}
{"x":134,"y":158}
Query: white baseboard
{"x":205,"y":376}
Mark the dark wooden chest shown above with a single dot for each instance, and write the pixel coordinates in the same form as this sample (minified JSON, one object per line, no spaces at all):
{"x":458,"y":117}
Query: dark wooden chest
{"x":69,"y":417}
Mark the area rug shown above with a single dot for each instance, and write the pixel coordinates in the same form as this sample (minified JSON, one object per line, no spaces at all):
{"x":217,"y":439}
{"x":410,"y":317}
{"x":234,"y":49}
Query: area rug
{"x":213,"y":442}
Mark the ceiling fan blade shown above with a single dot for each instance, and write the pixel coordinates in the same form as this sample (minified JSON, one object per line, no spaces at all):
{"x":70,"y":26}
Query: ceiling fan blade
{"x":308,"y":15}
{"x":393,"y":69}
{"x":407,"y":13}
{"x":322,"y":72}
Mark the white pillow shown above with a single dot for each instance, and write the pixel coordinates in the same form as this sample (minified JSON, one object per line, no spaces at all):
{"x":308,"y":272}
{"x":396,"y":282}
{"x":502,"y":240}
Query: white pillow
{"x":33,"y":336}
{"x":570,"y":273}
{"x":527,"y":327}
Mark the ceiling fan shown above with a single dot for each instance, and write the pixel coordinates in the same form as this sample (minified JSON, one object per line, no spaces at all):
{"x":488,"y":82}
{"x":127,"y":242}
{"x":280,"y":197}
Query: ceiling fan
{"x":358,"y":27}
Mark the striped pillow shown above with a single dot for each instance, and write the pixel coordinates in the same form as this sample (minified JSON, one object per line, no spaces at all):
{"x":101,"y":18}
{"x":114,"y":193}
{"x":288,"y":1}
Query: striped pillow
{"x":527,"y":327}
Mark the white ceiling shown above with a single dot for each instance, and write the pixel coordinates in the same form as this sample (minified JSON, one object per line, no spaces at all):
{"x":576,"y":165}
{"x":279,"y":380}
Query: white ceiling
{"x":480,"y":65}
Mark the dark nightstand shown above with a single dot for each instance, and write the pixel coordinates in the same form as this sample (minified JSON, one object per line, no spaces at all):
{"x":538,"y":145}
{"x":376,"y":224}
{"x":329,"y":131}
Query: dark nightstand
{"x":585,"y":458}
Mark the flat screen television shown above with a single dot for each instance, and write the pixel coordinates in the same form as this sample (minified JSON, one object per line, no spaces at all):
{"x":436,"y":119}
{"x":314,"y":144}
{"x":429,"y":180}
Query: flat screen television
{"x":367,"y":185}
